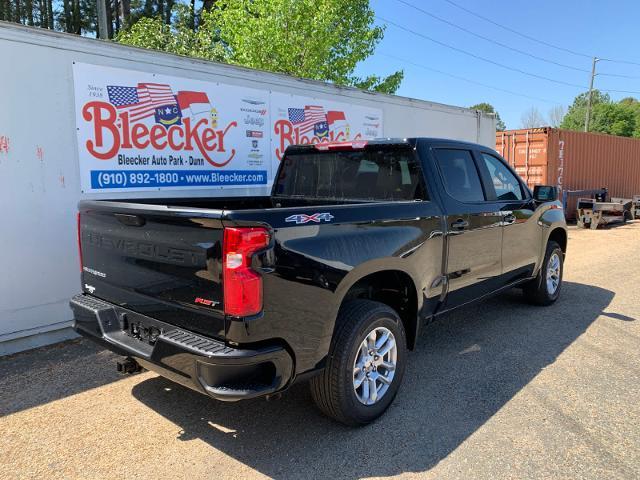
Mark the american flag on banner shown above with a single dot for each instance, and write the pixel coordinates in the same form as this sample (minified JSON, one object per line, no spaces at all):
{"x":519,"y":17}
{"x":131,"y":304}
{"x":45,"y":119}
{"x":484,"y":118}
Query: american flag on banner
{"x":305,"y":118}
{"x":141,"y":101}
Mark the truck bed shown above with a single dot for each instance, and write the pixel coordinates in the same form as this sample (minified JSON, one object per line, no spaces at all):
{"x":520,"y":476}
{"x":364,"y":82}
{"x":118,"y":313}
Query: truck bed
{"x":159,"y":257}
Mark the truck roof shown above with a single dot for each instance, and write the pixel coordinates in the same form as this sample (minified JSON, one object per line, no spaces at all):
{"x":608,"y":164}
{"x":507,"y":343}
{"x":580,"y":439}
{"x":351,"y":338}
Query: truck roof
{"x":390,"y":141}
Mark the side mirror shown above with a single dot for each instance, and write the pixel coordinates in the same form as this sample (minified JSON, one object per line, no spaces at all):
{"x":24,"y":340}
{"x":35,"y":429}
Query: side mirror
{"x":545,"y":193}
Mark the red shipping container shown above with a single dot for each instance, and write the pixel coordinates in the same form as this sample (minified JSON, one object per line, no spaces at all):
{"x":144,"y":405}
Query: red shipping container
{"x":573,"y":160}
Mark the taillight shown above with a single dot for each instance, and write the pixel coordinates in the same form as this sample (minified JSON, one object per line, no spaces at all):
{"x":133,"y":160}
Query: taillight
{"x":242,"y":285}
{"x":79,"y":242}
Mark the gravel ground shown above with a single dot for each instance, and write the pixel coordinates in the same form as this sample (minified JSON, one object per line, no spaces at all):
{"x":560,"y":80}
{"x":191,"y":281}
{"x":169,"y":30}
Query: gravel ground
{"x":497,"y":390}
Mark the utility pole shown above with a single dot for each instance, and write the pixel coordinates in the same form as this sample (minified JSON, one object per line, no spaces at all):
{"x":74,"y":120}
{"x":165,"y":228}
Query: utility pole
{"x":588,"y":114}
{"x":103,"y":31}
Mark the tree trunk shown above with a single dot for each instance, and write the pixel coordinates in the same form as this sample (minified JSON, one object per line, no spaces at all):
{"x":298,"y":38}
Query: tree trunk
{"x":116,"y":15}
{"x":41,"y":13}
{"x":17,"y":13}
{"x":167,"y":11}
{"x":67,"y":16}
{"x":4,"y":14}
{"x":125,"y":7}
{"x":77,"y":26}
{"x":147,"y":10}
{"x":50,"y":13}
{"x":28,"y":7}
{"x":109,"y":18}
{"x":193,"y":15}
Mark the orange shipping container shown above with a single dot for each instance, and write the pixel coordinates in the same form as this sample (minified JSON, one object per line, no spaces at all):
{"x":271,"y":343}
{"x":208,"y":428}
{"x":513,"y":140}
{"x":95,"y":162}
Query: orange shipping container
{"x":573,"y":160}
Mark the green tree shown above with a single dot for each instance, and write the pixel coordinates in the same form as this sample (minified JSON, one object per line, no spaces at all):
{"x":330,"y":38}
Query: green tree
{"x":179,"y":38}
{"x":35,"y":13}
{"x":575,"y":117}
{"x":316,"y":39}
{"x":614,"y":118}
{"x":488,"y":108}
{"x":629,"y":101}
{"x":634,"y":105}
{"x":5,"y":10}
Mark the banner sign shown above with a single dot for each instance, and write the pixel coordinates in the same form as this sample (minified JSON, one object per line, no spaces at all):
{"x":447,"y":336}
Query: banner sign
{"x":297,"y":120}
{"x":141,"y":131}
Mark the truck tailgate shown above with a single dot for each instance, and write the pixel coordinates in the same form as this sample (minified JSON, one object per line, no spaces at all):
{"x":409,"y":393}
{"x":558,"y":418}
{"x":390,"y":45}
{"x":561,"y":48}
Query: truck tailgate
{"x":160,"y":261}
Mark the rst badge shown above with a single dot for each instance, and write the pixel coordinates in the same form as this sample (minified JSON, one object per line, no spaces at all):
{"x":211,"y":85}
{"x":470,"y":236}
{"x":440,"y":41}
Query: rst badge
{"x":300,"y":218}
{"x":205,"y":301}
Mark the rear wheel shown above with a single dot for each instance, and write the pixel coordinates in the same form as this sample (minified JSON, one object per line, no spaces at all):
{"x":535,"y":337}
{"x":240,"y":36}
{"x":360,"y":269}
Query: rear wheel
{"x":365,"y":365}
{"x":545,"y":288}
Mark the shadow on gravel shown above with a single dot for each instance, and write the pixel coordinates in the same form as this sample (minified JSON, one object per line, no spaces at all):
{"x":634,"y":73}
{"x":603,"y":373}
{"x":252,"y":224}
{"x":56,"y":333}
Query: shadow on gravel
{"x":46,"y":374}
{"x":467,"y":366}
{"x":619,"y":316}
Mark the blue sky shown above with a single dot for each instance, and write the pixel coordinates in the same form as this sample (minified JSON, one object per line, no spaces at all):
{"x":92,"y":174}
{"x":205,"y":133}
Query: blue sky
{"x":604,"y":29}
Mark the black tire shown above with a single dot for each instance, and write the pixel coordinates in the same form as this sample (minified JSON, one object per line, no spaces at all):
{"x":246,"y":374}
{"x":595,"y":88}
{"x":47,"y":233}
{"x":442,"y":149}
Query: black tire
{"x":536,"y":291}
{"x":333,"y":390}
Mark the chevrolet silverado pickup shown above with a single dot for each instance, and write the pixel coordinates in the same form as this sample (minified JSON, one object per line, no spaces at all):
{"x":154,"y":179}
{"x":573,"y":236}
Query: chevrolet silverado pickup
{"x":328,"y":280}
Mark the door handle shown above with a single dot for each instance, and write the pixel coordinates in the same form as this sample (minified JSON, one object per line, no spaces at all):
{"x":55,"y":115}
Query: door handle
{"x":509,"y":219}
{"x":459,"y":225}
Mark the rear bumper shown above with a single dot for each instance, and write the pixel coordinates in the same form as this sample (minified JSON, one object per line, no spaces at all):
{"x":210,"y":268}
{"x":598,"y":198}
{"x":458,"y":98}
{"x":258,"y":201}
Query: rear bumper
{"x":203,"y":364}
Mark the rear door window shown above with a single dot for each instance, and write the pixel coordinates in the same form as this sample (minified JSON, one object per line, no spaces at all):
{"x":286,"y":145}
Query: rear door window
{"x":370,"y":174}
{"x":460,"y":175}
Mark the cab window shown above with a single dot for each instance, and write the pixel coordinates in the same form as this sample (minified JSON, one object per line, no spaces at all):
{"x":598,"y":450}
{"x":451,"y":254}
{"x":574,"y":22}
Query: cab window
{"x":505,"y":183}
{"x":460,"y":175}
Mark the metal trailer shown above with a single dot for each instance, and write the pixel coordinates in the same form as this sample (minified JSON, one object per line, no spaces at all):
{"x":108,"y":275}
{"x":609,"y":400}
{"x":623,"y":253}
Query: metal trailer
{"x":593,"y":213}
{"x":41,"y":167}
{"x":635,"y":207}
{"x":597,"y":193}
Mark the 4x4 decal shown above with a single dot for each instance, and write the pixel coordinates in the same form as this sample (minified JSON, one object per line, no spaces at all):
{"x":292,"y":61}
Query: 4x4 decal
{"x":304,"y":218}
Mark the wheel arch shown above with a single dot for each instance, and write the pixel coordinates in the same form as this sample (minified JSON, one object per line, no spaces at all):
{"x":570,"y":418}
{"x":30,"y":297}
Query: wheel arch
{"x":559,"y":235}
{"x":393,"y":287}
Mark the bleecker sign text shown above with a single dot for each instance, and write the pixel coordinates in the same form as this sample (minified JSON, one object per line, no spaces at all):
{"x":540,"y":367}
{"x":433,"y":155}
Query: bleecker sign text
{"x":113,"y":131}
{"x":289,"y":134}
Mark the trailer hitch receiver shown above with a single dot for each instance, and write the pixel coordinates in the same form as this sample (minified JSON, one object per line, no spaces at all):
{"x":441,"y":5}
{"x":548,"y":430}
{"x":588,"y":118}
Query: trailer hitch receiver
{"x":128,"y":366}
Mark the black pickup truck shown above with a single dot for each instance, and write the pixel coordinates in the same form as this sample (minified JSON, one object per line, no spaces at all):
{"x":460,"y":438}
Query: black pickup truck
{"x":328,"y":280}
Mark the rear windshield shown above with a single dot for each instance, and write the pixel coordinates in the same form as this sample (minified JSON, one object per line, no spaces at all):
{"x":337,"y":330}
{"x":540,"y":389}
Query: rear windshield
{"x":371,"y":174}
